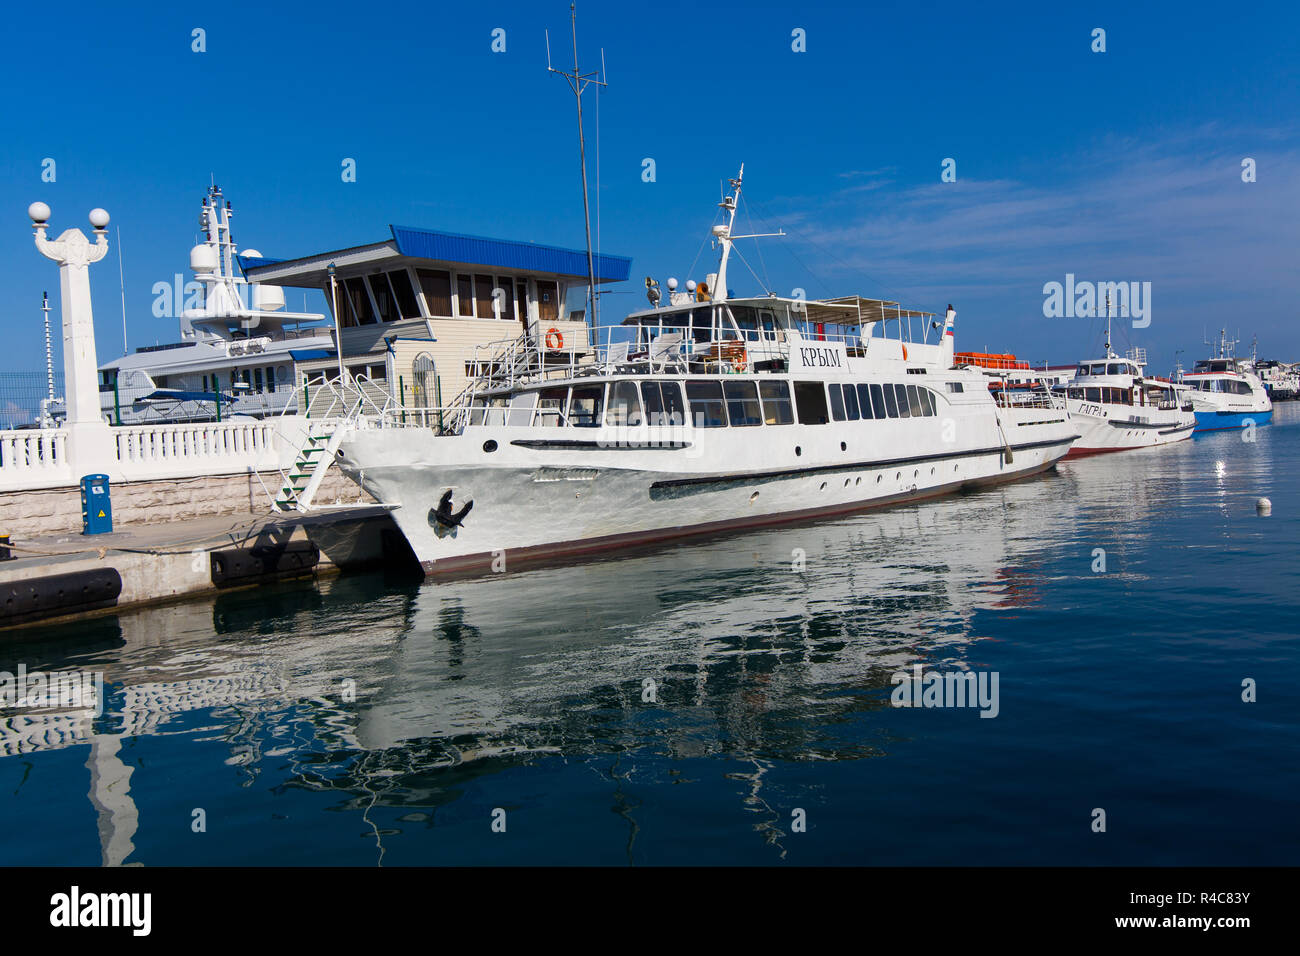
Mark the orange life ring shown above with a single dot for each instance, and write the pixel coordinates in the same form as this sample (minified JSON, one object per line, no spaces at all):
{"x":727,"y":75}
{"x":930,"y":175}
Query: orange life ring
{"x":904,"y":353}
{"x":559,"y":339}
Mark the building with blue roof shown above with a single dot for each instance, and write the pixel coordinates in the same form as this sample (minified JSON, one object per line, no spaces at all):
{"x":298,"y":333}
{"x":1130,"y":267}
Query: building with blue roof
{"x":413,"y":309}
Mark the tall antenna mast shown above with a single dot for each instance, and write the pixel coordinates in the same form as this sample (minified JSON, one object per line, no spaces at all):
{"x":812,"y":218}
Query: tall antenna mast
{"x":578,"y":81}
{"x":121,"y":281}
{"x":49,"y":354}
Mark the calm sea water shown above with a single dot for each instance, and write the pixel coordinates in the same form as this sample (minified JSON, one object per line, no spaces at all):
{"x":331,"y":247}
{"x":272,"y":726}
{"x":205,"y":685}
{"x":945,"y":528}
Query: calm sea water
{"x":372,"y":721}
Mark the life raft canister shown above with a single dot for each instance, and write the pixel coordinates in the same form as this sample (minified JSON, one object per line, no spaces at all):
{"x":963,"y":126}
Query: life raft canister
{"x":553,"y":334}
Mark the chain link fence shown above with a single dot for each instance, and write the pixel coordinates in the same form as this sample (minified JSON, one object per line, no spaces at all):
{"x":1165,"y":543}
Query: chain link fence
{"x":21,"y":395}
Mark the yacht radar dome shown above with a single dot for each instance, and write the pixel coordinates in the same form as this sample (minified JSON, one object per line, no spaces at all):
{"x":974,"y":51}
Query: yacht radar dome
{"x":251,"y":254}
{"x":203,"y":260}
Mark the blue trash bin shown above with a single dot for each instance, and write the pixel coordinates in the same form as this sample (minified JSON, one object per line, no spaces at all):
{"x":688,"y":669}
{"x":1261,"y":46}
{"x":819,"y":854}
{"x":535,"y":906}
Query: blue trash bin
{"x":96,"y":505}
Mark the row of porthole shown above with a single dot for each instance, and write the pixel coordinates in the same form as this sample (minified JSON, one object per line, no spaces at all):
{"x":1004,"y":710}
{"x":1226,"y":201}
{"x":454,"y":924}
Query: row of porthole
{"x":898,"y":475}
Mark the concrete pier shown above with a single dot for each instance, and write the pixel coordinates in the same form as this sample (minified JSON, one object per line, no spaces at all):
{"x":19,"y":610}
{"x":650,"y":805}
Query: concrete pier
{"x":55,"y":577}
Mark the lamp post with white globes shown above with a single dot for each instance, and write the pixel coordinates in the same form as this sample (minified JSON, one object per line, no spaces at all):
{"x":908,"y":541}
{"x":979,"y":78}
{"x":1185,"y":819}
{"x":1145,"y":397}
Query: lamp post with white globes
{"x":90,"y":439}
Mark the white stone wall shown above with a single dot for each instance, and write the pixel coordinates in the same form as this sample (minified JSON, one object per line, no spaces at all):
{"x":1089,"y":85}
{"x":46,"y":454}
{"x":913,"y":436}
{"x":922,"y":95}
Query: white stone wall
{"x":27,"y":514}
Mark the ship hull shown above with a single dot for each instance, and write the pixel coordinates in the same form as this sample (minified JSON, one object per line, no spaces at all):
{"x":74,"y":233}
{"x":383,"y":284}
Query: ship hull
{"x":566,"y":500}
{"x":1207,"y":421}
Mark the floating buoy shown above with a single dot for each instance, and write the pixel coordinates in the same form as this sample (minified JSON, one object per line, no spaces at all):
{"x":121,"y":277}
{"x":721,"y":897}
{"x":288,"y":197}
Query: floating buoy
{"x":1263,"y":507}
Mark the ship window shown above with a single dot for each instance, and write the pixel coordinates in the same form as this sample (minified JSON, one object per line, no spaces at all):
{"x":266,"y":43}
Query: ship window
{"x":702,"y":325}
{"x":864,"y":400}
{"x":405,"y":293}
{"x":914,"y":400}
{"x":436,"y":287}
{"x":1115,"y":368}
{"x":810,"y":399}
{"x":359,"y":300}
{"x":900,"y":396}
{"x":954,"y":386}
{"x":548,"y":301}
{"x":742,"y":403}
{"x":550,"y":406}
{"x":776,"y":403}
{"x":706,"y":404}
{"x":624,"y":406}
{"x":891,"y":403}
{"x":1083,"y":370}
{"x":1099,"y":369}
{"x":747,"y":321}
{"x":851,"y":402}
{"x":927,"y":402}
{"x":1092,"y":394}
{"x":585,"y":406}
{"x":663,"y":403}
{"x":257,"y":380}
{"x":877,"y":401}
{"x":464,"y":295}
{"x":837,"y":401}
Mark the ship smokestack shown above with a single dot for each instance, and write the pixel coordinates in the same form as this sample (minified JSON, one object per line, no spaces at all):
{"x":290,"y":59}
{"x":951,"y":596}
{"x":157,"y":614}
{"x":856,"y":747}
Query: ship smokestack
{"x":946,"y":345}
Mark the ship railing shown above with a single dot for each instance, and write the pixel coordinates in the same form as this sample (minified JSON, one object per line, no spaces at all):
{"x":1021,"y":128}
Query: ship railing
{"x":442,"y":419}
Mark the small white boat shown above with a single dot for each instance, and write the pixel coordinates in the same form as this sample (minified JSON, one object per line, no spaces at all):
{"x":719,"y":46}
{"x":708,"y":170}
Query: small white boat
{"x":1226,"y":391}
{"x":1117,"y":406}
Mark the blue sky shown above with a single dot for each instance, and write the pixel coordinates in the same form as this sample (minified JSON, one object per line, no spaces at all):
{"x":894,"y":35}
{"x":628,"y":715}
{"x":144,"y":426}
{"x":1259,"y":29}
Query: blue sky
{"x":1115,"y":166}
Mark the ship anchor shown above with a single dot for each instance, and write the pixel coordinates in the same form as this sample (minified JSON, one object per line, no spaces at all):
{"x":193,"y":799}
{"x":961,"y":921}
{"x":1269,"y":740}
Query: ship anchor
{"x":444,"y":516}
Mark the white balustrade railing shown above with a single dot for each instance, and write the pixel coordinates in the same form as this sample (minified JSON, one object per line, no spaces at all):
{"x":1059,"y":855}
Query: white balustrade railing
{"x":45,"y":458}
{"x":192,"y":450}
{"x":34,"y":458}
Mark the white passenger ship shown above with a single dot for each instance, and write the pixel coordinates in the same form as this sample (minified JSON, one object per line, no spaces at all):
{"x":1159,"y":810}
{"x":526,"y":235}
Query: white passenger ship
{"x":704,"y":415}
{"x":234,"y":357}
{"x":1226,"y":391}
{"x":1117,"y":406}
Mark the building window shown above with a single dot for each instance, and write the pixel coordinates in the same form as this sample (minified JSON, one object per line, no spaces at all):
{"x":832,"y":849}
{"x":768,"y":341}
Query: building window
{"x":464,"y":296}
{"x":507,"y":287}
{"x":436,"y":287}
{"x":483,"y":286}
{"x":521,"y":296}
{"x":405,"y":293}
{"x":359,"y":300}
{"x":384,"y":304}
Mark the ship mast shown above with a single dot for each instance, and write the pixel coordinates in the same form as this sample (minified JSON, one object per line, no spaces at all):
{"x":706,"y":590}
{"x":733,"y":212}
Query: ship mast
{"x":578,"y":81}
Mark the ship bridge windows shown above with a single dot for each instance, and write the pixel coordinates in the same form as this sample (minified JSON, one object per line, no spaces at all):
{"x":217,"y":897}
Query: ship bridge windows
{"x":663,"y":403}
{"x":585,"y":406}
{"x":776,"y":402}
{"x":754,"y":324}
{"x":624,"y":406}
{"x":550,"y":407}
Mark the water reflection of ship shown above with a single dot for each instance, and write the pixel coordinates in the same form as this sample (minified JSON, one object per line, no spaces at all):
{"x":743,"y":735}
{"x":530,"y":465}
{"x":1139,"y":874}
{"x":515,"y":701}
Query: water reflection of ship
{"x":455,"y":681}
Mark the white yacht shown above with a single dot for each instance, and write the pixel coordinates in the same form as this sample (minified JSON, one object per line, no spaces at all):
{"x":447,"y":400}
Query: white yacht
{"x":1227,"y":392}
{"x":708,"y":414}
{"x":235,"y":354}
{"x":1117,"y":406}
